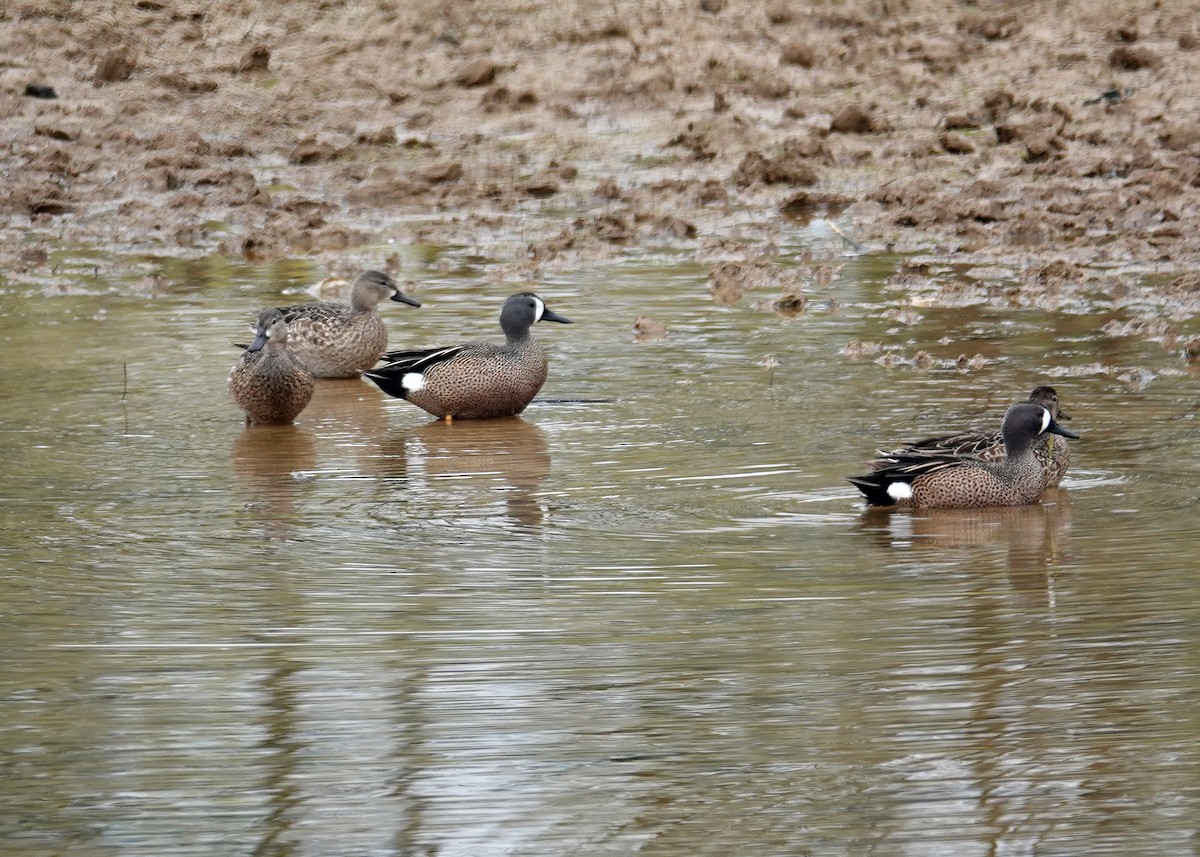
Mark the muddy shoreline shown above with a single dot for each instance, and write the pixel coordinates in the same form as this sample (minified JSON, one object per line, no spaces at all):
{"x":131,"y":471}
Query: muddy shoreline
{"x":1060,"y":140}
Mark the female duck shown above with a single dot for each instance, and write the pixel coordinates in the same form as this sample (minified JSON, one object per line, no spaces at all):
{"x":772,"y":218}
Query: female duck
{"x":477,"y":379}
{"x":1053,"y":454}
{"x":335,"y":340}
{"x":945,"y":480}
{"x":269,"y":382}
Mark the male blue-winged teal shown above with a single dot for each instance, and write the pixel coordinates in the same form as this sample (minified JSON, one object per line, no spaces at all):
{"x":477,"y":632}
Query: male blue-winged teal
{"x":477,"y":379}
{"x":269,"y":382}
{"x":1054,"y":455}
{"x":932,"y":479}
{"x":336,"y":340}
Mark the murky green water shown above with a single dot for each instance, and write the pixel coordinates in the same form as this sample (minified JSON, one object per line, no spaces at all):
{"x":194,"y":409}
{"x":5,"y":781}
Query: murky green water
{"x":657,"y":621}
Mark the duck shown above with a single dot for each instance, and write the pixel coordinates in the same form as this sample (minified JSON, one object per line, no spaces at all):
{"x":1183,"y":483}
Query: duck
{"x":337,"y":340}
{"x":268,"y":382}
{"x":474,"y":380}
{"x":945,"y":480}
{"x":988,"y":445}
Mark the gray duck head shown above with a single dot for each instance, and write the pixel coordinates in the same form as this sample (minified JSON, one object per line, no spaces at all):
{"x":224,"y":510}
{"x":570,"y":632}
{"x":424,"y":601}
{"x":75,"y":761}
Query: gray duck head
{"x":373,"y":287}
{"x":1025,"y":421}
{"x":271,"y":327}
{"x":523,"y":310}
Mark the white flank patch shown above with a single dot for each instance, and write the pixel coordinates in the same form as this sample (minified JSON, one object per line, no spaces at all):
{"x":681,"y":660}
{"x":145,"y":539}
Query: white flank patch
{"x":1045,"y":420}
{"x":413,"y":381}
{"x":539,"y":308}
{"x":900,"y":491}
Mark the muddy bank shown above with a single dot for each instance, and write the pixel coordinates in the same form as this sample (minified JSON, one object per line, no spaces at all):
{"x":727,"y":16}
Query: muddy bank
{"x":544,"y":136}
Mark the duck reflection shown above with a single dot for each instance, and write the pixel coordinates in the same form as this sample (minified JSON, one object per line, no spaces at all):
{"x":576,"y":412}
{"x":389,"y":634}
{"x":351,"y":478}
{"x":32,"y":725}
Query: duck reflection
{"x":472,"y":458}
{"x":1033,"y":538}
{"x":266,"y":459}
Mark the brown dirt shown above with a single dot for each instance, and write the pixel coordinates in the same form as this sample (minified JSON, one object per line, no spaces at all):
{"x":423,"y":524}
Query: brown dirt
{"x":974,"y":132}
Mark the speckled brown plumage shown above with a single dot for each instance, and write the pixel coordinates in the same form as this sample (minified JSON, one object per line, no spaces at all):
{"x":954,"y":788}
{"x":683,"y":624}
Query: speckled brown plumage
{"x":932,"y":480}
{"x":336,"y":340}
{"x":479,"y":379}
{"x":1053,"y":454}
{"x":268,"y":382}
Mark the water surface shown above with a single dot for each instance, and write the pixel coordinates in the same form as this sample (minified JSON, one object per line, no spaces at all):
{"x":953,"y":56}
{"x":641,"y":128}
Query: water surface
{"x":649,"y":616}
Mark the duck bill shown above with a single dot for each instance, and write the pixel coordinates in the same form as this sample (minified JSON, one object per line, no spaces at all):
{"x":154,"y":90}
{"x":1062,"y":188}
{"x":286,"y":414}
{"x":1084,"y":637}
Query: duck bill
{"x":259,"y":341}
{"x":551,"y":315}
{"x":1055,"y":428}
{"x":401,"y":298}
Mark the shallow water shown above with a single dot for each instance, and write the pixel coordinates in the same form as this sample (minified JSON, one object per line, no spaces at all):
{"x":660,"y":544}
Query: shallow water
{"x":649,"y":616}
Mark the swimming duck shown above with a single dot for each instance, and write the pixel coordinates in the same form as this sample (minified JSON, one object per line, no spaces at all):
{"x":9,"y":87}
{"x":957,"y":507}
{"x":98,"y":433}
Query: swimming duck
{"x":1053,"y":454}
{"x":932,"y":479}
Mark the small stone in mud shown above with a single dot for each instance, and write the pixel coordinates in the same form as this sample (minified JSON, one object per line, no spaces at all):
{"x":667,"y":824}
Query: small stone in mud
{"x":443,"y":172}
{"x":1127,"y":32}
{"x":1108,"y":96}
{"x":725,"y":283}
{"x":541,"y":186}
{"x":907,"y":317}
{"x":789,"y":167}
{"x":956,"y":144}
{"x":1188,"y":42}
{"x":180,"y":82}
{"x":1179,"y":137}
{"x":857,"y":349}
{"x":959,"y":122}
{"x":798,"y":53}
{"x":1132,"y":58}
{"x":66,"y":133}
{"x":501,"y":97}
{"x":32,"y":257}
{"x":478,"y":72}
{"x":313,"y":152}
{"x":1039,"y":147}
{"x":853,"y":119}
{"x":608,"y":189}
{"x":646,"y":329}
{"x":990,"y":27}
{"x":116,"y":65}
{"x":384,"y":136}
{"x":712,"y":7}
{"x":789,"y":305}
{"x":780,"y":12}
{"x":40,"y":90}
{"x":258,"y":58}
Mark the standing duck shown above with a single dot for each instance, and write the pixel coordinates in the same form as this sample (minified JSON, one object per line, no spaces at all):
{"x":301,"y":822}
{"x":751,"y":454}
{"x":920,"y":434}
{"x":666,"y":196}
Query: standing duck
{"x":269,"y":382}
{"x":477,"y":379}
{"x":336,"y":340}
{"x":946,"y":480}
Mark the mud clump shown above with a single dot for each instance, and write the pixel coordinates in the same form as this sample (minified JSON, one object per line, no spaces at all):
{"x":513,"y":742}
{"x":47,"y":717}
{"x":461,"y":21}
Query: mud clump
{"x":255,"y":60}
{"x":854,"y":119}
{"x":116,"y":65}
{"x":685,"y":129}
{"x":478,"y":72}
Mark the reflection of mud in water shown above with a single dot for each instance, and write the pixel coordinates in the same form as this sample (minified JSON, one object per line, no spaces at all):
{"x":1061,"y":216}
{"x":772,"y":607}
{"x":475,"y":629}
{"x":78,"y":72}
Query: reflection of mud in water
{"x":471,"y":460}
{"x":1034,"y":538}
{"x":266,"y":459}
